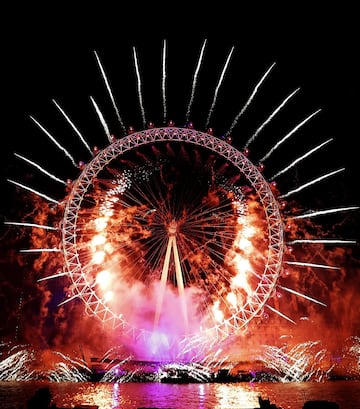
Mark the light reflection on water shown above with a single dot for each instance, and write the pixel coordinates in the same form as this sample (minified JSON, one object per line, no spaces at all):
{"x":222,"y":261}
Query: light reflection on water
{"x":292,"y":395}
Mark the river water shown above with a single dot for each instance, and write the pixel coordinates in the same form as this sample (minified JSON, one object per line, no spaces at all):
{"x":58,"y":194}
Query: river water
{"x":292,"y":395}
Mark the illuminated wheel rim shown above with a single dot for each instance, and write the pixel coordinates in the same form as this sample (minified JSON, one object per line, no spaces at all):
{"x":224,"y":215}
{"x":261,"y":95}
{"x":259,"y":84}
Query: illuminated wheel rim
{"x":72,"y":230}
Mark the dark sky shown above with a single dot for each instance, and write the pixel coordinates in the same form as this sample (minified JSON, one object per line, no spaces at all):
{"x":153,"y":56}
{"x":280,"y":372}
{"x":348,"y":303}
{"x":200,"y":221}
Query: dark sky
{"x":49,"y":54}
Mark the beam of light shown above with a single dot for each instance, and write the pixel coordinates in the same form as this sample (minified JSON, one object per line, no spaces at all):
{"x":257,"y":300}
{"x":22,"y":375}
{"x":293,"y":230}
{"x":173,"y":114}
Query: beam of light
{"x":47,"y":250}
{"x":301,"y":295}
{"x":33,"y":191}
{"x":301,"y":264}
{"x":137,"y":71}
{"x":69,"y":299}
{"x":102,"y":119}
{"x":287,"y":136}
{"x":323,"y":212}
{"x":218,"y":87}
{"x":41,"y":226}
{"x":194,"y":83}
{"x":280,"y":313}
{"x":296,"y":161}
{"x":322,"y":241}
{"x":54,"y":141}
{"x":163,"y":83}
{"x":107,"y":84}
{"x":261,"y":127}
{"x":52,"y":276}
{"x":37,"y":166}
{"x":312,"y":182}
{"x":82,"y":139}
{"x":248,"y":102}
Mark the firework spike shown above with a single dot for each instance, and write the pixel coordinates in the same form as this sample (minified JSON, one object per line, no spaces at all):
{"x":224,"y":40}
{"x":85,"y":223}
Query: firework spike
{"x":54,"y":140}
{"x":250,"y":99}
{"x":312,"y":182}
{"x":40,"y":168}
{"x":82,"y":139}
{"x":218,"y":87}
{"x":33,"y":191}
{"x":107,"y":85}
{"x":289,"y":135}
{"x":194,"y":83}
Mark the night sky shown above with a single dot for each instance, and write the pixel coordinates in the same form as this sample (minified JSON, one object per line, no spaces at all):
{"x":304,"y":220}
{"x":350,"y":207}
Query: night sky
{"x":52,"y":57}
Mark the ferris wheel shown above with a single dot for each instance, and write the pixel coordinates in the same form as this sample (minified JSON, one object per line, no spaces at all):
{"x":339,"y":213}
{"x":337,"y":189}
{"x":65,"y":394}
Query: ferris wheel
{"x":165,"y":210}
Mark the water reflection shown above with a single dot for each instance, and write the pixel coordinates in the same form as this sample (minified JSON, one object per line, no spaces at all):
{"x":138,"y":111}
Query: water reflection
{"x":236,"y":396}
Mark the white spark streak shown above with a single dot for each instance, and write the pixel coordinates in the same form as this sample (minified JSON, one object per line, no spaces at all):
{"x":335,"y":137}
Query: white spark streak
{"x":322,"y":212}
{"x":302,"y":295}
{"x":296,"y":161}
{"x":40,"y":168}
{"x":54,"y":141}
{"x":102,"y":120}
{"x":73,"y":126}
{"x":139,"y":87}
{"x":248,"y":102}
{"x":69,"y":299}
{"x":52,"y":276}
{"x":163,"y":84}
{"x":280,"y":313}
{"x":40,"y":251}
{"x":261,"y":127}
{"x":322,"y":241}
{"x":312,"y":182}
{"x":218,"y":87}
{"x":298,"y":263}
{"x":41,"y":226}
{"x":107,"y":84}
{"x":289,"y":134}
{"x":195,"y":80}
{"x":33,"y":191}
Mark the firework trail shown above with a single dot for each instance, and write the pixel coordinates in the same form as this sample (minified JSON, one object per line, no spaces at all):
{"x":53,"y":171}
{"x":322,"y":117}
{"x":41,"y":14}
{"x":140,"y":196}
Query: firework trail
{"x":107,"y":84}
{"x":248,"y":102}
{"x":268,"y":120}
{"x":139,"y":87}
{"x":218,"y":87}
{"x":102,"y":119}
{"x":73,"y":127}
{"x":194,"y":83}
{"x":163,"y":83}
{"x":54,"y":141}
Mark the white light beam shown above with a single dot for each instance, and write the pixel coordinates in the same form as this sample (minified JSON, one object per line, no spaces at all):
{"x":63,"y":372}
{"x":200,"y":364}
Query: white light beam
{"x":33,"y":191}
{"x":312,"y":182}
{"x":218,"y":87}
{"x":107,"y":84}
{"x":194,"y":83}
{"x":40,"y":168}
{"x":322,"y":241}
{"x":296,"y":161}
{"x":163,"y":83}
{"x":248,"y":102}
{"x":302,"y":295}
{"x":287,"y":136}
{"x":102,"y":119}
{"x":41,"y":226}
{"x":52,"y":276}
{"x":261,"y":127}
{"x":139,"y":87}
{"x":324,"y":212}
{"x":73,"y":126}
{"x":301,"y":264}
{"x":54,"y":141}
{"x":280,"y":313}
